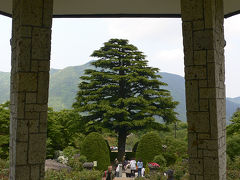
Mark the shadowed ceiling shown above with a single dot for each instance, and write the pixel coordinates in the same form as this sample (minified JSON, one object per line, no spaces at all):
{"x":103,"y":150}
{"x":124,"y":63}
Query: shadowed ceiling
{"x":120,"y":8}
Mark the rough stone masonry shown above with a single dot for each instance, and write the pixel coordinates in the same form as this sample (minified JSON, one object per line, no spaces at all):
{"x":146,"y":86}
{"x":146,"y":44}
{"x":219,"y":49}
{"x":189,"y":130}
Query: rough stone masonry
{"x":203,"y":39}
{"x":31,"y":46}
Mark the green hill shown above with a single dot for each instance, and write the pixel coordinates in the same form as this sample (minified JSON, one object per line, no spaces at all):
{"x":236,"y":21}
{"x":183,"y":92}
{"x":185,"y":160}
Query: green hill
{"x":235,"y":100}
{"x":64,"y":85}
{"x":176,"y":85}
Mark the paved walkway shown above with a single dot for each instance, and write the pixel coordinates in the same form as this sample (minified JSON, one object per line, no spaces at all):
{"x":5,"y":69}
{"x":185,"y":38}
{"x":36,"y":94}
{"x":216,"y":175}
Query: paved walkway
{"x":124,"y":177}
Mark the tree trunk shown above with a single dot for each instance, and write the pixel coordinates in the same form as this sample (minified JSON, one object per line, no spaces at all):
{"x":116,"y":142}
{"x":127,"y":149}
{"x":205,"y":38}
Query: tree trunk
{"x":122,"y":136}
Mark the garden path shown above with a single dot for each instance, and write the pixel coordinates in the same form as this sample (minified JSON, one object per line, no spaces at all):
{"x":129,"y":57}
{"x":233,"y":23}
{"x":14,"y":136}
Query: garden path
{"x":124,"y":177}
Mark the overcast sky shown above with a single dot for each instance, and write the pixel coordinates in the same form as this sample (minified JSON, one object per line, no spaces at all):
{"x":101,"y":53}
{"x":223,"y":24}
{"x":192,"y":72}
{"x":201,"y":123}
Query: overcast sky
{"x":73,"y":41}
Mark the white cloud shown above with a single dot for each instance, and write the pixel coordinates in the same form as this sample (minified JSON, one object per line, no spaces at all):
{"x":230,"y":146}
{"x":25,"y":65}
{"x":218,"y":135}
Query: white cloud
{"x":145,"y":29}
{"x":231,"y":26}
{"x":160,"y":39}
{"x":232,"y":53}
{"x":169,"y":61}
{"x":5,"y":48}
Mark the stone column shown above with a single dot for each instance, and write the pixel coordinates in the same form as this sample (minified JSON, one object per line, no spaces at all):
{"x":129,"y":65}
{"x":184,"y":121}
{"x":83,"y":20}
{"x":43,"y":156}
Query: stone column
{"x":31,"y":46}
{"x":203,"y":40}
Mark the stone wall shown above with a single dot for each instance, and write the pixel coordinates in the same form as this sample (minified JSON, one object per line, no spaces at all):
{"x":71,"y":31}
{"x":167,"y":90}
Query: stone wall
{"x":203,"y":40}
{"x":31,"y":46}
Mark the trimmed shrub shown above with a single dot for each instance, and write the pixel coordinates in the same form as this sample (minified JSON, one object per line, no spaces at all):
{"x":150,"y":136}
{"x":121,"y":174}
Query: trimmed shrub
{"x":82,"y":159}
{"x":170,"y":157}
{"x":108,"y":146}
{"x":149,"y":146}
{"x":159,"y":159}
{"x":95,"y":149}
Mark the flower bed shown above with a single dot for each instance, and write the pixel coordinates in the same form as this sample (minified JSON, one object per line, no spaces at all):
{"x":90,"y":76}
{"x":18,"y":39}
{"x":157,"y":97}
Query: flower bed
{"x":153,"y":166}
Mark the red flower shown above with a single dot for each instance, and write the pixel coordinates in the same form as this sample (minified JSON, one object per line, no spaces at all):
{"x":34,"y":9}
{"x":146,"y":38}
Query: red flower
{"x":154,"y":164}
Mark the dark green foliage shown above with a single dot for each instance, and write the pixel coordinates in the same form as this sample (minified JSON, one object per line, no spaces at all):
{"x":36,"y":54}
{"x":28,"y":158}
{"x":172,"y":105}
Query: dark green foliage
{"x":76,"y":163}
{"x":174,"y":148}
{"x":149,"y":146}
{"x":78,"y":139}
{"x":233,"y":168}
{"x":108,"y":145}
{"x":63,"y":129}
{"x":233,"y":136}
{"x":63,"y":88}
{"x":4,"y":169}
{"x":4,"y":129}
{"x":233,"y":146}
{"x":123,"y":93}
{"x":113,"y":156}
{"x":95,"y":149}
{"x":130,"y":155}
{"x":70,"y":152}
{"x":4,"y":164}
{"x":180,"y":170}
{"x":234,"y":127}
{"x":170,"y":157}
{"x":73,"y":175}
{"x":159,"y":159}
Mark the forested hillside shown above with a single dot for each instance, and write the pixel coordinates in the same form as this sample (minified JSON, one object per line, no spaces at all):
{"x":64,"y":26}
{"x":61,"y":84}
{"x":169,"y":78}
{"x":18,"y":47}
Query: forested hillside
{"x":64,"y":82}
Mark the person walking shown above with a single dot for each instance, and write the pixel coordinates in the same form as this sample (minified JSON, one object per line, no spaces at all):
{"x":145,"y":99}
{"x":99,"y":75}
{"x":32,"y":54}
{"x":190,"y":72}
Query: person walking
{"x":117,"y":170}
{"x":128,"y":170}
{"x":108,"y":175}
{"x":133,"y":167}
{"x":170,"y":174}
{"x":115,"y":165}
{"x":143,"y":172}
{"x":140,"y":166}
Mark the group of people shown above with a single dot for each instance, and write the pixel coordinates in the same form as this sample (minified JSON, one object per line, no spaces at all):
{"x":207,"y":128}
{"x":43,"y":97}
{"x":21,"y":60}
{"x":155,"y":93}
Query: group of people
{"x":132,"y":166}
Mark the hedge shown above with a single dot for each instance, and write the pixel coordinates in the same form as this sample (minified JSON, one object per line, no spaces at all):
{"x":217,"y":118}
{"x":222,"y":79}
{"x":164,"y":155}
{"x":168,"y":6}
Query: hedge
{"x":149,"y":146}
{"x":95,"y":149}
